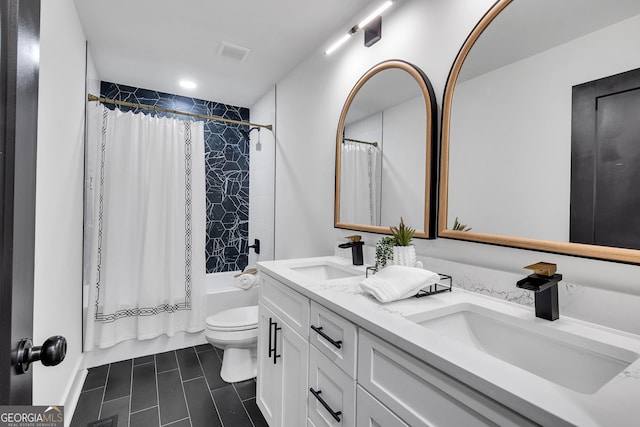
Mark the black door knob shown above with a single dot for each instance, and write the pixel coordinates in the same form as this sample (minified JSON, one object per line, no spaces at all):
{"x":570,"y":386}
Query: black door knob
{"x":51,"y":353}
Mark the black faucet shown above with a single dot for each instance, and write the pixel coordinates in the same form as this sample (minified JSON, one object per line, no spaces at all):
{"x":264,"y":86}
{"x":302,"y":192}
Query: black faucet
{"x":356,"y":245}
{"x":544,"y":283}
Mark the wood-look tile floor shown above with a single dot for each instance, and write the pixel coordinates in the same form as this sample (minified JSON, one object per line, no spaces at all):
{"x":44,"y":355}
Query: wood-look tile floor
{"x":179,"y":388}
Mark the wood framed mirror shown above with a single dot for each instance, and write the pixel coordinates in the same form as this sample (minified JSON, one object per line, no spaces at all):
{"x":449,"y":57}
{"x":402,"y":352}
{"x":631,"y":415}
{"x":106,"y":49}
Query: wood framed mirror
{"x":509,"y":160}
{"x":386,"y":156}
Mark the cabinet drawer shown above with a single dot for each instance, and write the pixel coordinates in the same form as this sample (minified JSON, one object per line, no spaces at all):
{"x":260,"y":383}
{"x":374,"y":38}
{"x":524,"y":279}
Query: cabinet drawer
{"x":335,"y":388}
{"x":290,"y":306}
{"x":335,"y":337}
{"x":422,"y":395}
{"x":370,"y":412}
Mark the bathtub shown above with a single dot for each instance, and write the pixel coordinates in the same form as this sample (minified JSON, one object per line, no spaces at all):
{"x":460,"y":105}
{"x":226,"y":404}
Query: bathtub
{"x":221,"y":295}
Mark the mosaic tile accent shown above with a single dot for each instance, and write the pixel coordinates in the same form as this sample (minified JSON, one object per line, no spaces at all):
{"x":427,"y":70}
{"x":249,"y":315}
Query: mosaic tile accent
{"x":226,"y":166}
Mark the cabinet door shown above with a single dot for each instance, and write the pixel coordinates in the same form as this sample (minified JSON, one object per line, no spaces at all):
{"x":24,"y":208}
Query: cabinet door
{"x":294,"y":351}
{"x":370,"y":412}
{"x":332,"y":393}
{"x":269,"y":379}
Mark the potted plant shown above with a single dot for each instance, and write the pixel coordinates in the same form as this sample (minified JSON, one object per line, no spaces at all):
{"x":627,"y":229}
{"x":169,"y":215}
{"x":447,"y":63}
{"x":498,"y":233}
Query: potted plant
{"x":397,"y":248}
{"x":404,"y":252}
{"x":384,"y":252}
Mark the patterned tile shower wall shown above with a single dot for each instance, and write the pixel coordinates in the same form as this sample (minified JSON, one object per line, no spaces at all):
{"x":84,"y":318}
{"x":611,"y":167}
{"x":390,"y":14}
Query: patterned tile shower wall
{"x":227,"y":170}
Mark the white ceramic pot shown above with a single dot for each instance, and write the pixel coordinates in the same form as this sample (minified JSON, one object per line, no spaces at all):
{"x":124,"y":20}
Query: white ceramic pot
{"x":404,"y":255}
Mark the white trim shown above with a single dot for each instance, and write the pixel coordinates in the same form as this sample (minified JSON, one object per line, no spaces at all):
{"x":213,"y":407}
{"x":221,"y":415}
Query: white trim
{"x":73,"y":391}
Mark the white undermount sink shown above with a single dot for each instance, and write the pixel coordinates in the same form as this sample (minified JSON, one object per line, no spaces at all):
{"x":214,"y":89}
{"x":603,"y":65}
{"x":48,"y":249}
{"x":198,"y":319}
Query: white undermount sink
{"x":325,"y":270}
{"x":572,"y":361}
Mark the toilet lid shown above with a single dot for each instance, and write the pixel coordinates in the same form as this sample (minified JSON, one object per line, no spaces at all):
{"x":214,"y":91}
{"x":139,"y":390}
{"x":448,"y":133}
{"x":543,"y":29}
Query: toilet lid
{"x":235,"y":318}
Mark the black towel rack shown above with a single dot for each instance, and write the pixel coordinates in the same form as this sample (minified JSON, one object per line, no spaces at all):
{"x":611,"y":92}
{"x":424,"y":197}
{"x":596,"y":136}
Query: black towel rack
{"x":437,"y":288}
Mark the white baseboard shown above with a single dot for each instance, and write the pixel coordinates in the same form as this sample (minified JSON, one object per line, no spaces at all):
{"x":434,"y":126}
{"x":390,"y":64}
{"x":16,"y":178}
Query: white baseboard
{"x":73,"y":395}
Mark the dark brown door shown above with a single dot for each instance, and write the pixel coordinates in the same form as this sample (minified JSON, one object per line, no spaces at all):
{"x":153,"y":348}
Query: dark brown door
{"x":605,"y":175}
{"x":19,"y":67}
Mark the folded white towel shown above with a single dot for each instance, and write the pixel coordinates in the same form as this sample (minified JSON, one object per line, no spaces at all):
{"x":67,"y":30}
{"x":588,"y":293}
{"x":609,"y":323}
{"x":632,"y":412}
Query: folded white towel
{"x":396,"y":282}
{"x":246,"y":281}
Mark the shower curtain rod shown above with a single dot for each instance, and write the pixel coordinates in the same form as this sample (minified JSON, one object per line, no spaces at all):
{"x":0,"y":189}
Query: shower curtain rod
{"x":375,"y":144}
{"x":166,"y":110}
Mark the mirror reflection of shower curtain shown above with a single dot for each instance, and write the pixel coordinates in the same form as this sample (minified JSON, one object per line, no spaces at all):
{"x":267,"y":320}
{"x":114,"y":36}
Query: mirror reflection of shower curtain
{"x":144,"y":227}
{"x":360,"y":183}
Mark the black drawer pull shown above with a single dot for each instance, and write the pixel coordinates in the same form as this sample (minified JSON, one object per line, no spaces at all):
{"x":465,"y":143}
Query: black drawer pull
{"x":273,"y":351}
{"x":335,"y":415}
{"x":318,"y":329}
{"x":271,"y":323}
{"x":275,"y":342}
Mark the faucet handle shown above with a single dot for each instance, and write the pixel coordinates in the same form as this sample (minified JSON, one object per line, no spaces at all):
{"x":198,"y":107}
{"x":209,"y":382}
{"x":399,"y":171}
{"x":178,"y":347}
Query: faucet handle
{"x":543,"y":268}
{"x":355,"y":238}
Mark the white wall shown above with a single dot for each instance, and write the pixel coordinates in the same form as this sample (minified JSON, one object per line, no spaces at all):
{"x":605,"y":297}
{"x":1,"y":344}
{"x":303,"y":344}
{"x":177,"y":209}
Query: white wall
{"x":261,"y":178}
{"x":428,"y":33}
{"x":58,"y":246}
{"x":518,"y":120}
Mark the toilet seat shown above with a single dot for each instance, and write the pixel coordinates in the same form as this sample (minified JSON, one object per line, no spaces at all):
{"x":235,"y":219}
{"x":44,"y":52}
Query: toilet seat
{"x":235,"y":319}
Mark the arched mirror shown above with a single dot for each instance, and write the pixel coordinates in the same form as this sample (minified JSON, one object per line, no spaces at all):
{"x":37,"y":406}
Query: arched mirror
{"x":386,"y":152}
{"x":540,"y":147}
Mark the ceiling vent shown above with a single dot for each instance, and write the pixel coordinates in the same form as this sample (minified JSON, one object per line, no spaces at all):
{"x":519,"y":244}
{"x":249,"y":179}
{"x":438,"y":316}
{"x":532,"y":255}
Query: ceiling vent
{"x":232,"y":51}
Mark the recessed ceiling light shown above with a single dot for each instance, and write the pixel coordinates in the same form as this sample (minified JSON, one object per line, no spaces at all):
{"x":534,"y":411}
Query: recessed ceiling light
{"x":187,"y":84}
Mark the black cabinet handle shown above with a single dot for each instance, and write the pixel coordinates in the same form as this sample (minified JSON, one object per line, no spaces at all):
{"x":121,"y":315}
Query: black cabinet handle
{"x":335,"y":415}
{"x":271,"y":323}
{"x":318,"y":329}
{"x":275,"y":342}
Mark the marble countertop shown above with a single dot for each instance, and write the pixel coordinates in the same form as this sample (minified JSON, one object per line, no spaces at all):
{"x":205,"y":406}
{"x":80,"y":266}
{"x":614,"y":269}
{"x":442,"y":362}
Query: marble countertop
{"x":541,"y":400}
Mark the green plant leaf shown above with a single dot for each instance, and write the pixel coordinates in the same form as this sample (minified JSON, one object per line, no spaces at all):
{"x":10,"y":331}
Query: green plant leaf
{"x":457,"y":226}
{"x":384,"y":252}
{"x":402,"y":234}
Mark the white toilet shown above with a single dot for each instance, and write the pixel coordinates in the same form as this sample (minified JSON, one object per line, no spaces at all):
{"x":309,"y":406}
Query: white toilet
{"x":236,"y":332}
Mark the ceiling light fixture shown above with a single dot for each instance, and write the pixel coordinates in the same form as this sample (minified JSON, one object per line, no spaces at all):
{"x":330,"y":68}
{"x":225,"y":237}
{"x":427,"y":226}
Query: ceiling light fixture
{"x":187,"y":84}
{"x":375,"y":33}
{"x":375,"y":14}
{"x":339,"y":43}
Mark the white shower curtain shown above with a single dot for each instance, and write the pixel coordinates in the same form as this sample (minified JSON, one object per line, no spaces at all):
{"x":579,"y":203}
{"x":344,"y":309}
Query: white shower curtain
{"x":144,"y":227}
{"x":359,"y":187}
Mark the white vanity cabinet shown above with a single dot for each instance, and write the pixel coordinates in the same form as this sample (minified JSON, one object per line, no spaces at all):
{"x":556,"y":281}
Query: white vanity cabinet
{"x":283,"y":355}
{"x":316,"y":368}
